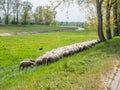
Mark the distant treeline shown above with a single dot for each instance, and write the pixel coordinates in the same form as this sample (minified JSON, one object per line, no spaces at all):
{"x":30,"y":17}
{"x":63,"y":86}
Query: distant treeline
{"x":77,"y":24}
{"x":22,"y":12}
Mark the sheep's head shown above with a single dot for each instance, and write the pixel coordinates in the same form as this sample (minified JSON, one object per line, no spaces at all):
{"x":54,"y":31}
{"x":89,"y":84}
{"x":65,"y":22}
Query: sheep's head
{"x":32,"y":63}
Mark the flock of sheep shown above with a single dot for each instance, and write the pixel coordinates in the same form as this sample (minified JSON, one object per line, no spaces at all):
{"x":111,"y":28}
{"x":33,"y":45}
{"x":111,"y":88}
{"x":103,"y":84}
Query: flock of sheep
{"x":56,"y":54}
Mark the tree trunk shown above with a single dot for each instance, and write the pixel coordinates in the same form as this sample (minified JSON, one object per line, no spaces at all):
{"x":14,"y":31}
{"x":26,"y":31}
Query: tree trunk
{"x":7,"y":14}
{"x":115,"y":17}
{"x":100,"y":21}
{"x":119,"y":24}
{"x":14,"y":18}
{"x":25,"y":19}
{"x":108,"y":30}
{"x":17,"y":16}
{"x":7,"y":19}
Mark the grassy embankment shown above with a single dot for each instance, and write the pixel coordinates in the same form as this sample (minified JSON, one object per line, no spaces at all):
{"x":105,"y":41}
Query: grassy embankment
{"x":78,"y":72}
{"x":29,"y":28}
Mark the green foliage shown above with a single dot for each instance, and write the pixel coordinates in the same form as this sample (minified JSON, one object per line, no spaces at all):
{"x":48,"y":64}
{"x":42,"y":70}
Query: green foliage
{"x":26,"y":12}
{"x":44,"y":15}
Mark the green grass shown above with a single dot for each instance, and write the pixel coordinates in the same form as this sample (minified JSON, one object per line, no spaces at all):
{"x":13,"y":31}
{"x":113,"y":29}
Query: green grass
{"x":26,"y":28}
{"x":78,"y":72}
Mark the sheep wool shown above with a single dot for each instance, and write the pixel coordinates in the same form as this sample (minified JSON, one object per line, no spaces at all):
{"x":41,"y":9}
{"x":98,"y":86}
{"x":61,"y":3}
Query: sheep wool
{"x":56,"y":54}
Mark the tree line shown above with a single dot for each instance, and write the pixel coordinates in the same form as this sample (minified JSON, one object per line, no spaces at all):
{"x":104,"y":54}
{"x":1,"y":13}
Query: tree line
{"x":76,"y":24}
{"x":18,"y":12}
{"x":106,"y":18}
{"x":105,"y":14}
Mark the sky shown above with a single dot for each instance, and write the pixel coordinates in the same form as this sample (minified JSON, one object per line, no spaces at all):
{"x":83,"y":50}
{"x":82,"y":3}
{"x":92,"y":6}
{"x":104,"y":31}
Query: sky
{"x":75,"y":14}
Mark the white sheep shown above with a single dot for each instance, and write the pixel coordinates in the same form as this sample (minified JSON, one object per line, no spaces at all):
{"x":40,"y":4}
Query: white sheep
{"x":39,"y":61}
{"x":56,"y":54}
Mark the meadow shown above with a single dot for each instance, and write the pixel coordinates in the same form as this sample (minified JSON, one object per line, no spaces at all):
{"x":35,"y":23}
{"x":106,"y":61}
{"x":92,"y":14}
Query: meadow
{"x":30,"y":28}
{"x":80,"y":71}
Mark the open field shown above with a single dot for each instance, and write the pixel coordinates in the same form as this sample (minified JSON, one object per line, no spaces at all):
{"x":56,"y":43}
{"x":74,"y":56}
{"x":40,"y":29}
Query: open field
{"x":80,"y":71}
{"x":30,"y":28}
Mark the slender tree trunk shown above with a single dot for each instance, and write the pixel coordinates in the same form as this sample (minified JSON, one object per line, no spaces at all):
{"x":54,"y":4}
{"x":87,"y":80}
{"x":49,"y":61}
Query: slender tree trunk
{"x":115,"y":17}
{"x":108,"y":30}
{"x":39,"y":20}
{"x":100,"y":21}
{"x":54,"y":19}
{"x":7,"y":15}
{"x":17,"y":17}
{"x":25,"y":19}
{"x":14,"y":19}
{"x":119,"y":23}
{"x":7,"y":19}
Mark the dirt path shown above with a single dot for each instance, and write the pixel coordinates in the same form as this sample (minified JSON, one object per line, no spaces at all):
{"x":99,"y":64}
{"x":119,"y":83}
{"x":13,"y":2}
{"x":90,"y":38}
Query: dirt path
{"x":5,"y":34}
{"x":115,"y":84}
{"x":35,"y":32}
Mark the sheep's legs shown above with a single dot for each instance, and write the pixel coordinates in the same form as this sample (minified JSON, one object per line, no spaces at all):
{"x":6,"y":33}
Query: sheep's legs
{"x":22,"y":68}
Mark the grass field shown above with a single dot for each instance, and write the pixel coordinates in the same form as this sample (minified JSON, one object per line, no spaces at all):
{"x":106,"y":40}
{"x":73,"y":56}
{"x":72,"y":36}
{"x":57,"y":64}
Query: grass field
{"x":78,"y":72}
{"x":28,"y":28}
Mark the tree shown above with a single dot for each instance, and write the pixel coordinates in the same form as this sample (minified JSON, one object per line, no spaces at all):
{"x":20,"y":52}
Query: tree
{"x":6,"y":6}
{"x":100,"y":20}
{"x":38,"y":15}
{"x":115,"y":17}
{"x":91,"y":18}
{"x":44,"y":15}
{"x":109,"y":4}
{"x":0,"y":6}
{"x":119,"y":17}
{"x":99,"y":15}
{"x":49,"y":15}
{"x":26,"y":12}
{"x":0,"y":19}
{"x":98,"y":5}
{"x":55,"y":5}
{"x":16,"y":11}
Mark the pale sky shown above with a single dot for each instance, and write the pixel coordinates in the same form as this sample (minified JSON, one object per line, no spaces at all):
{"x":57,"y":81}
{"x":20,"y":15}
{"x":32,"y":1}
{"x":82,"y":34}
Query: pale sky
{"x":74,"y":12}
